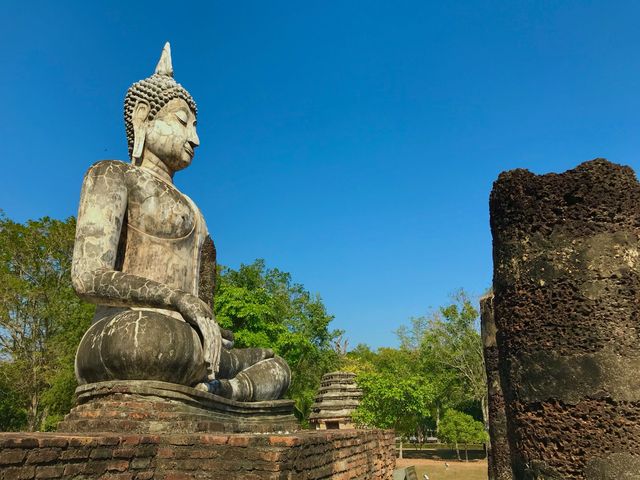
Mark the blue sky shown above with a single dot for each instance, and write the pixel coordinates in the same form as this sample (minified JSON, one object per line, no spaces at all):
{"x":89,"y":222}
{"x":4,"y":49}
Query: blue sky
{"x":353,"y":144}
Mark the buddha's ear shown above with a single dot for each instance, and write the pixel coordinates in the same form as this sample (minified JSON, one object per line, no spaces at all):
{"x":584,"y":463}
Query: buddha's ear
{"x":139,"y":120}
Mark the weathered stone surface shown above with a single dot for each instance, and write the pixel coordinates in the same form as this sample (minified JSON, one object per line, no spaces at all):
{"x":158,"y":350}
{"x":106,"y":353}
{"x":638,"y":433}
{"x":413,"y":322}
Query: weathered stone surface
{"x":157,"y":407}
{"x":567,"y":289}
{"x":336,"y":400}
{"x":344,"y":454}
{"x":499,"y":460}
{"x":144,"y":256}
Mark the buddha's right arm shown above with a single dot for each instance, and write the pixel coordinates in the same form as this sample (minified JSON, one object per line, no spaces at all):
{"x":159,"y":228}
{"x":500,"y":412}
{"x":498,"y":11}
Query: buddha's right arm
{"x":101,"y":214}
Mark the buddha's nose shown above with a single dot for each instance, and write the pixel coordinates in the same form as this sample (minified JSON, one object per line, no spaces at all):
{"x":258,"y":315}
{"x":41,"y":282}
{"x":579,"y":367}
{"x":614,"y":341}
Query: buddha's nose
{"x":193,"y":138}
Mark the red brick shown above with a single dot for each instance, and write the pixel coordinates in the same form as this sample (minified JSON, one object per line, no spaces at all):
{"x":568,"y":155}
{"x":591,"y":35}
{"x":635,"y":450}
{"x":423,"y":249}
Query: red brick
{"x":101,"y":453}
{"x":118,"y":465}
{"x":60,"y":442}
{"x":214,"y":439}
{"x":96,"y":468}
{"x":150,"y":439}
{"x":11,"y":456}
{"x":146,"y":451}
{"x":239,"y":441}
{"x":74,"y":469}
{"x":124,"y":452}
{"x":131,"y":440}
{"x":139,"y":463}
{"x":269,"y":455}
{"x":50,"y":471}
{"x":75,"y":454}
{"x":19,"y":473}
{"x":116,"y":476}
{"x":108,"y":440}
{"x":285,"y":441}
{"x":165,"y":452}
{"x":43,"y":455}
{"x":16,"y":440}
{"x":148,"y":475}
{"x":176,"y":476}
{"x":83,"y":441}
{"x":182,"y":440}
{"x":203,"y":453}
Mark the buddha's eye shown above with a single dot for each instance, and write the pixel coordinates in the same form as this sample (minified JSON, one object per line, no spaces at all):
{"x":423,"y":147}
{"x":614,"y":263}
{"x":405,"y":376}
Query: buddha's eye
{"x":182,"y":116}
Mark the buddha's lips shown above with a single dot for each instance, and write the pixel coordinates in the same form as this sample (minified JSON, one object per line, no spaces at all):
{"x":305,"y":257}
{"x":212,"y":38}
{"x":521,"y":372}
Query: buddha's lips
{"x":189,"y":149}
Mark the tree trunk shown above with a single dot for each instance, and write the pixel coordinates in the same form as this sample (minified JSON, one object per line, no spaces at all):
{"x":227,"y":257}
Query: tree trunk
{"x":484,"y":404}
{"x":458,"y":451}
{"x":400,"y":451}
{"x":466,"y":452}
{"x":32,"y":413}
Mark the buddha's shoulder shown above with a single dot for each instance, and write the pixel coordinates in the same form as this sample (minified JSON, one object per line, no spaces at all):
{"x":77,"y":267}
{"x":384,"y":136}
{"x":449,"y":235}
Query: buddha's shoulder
{"x":117,"y":170}
{"x":109,"y":168}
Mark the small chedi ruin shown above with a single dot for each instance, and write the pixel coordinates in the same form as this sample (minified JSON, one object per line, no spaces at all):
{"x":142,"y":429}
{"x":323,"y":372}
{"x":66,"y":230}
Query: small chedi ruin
{"x":336,"y":400}
{"x":563,"y":390}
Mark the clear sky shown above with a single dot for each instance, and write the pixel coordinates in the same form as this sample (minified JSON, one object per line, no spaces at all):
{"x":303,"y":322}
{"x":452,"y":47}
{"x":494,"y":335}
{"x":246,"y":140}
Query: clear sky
{"x":351,"y":143}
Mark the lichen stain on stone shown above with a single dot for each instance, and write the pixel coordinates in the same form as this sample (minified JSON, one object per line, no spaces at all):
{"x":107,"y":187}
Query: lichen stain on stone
{"x":617,"y":466}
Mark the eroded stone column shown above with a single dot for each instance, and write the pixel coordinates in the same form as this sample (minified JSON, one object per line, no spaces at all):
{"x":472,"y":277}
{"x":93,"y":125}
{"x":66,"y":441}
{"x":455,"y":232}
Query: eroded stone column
{"x":567,"y":299}
{"x":499,"y":457}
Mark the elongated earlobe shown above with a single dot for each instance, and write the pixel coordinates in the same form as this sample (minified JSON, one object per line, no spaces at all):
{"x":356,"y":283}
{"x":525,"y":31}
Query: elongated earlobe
{"x":139,"y":119}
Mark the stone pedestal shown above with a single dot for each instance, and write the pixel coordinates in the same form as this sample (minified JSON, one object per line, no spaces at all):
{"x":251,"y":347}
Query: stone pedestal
{"x":567,"y":306}
{"x":339,"y":455}
{"x":145,"y":406}
{"x":336,"y":400}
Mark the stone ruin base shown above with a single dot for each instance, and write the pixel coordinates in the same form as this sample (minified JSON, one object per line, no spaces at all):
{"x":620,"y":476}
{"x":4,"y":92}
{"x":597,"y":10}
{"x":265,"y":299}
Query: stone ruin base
{"x":336,"y":454}
{"x":145,"y":406}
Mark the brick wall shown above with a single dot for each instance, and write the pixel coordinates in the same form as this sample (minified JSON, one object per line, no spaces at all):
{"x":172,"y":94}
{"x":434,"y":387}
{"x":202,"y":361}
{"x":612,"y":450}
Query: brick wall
{"x":339,"y":455}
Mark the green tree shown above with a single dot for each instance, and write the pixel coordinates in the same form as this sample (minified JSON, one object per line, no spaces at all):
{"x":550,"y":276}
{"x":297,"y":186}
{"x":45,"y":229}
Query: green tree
{"x":392,"y":402}
{"x":395,"y":393}
{"x":265,"y":308}
{"x":41,"y":318}
{"x":451,"y":352}
{"x":13,"y":414}
{"x":457,"y":427}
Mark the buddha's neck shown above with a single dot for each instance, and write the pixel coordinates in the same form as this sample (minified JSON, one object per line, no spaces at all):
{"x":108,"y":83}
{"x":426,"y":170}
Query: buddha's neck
{"x":157,"y":167}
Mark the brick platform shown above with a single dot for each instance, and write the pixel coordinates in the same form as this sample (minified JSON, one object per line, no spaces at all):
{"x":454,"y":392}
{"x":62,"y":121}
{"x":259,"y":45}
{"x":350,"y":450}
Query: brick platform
{"x":151,"y":407}
{"x":339,"y":454}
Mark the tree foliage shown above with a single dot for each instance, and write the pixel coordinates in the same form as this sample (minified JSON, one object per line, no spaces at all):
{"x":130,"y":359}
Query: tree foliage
{"x":391,"y":402}
{"x":265,"y":308}
{"x":395,"y":392}
{"x":438,"y":367}
{"x":458,"y":427}
{"x":41,"y":321}
{"x":450,"y":348}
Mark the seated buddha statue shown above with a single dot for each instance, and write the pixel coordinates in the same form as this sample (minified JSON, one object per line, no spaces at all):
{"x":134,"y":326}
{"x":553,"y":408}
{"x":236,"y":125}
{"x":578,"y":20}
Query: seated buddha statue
{"x":143,"y":255}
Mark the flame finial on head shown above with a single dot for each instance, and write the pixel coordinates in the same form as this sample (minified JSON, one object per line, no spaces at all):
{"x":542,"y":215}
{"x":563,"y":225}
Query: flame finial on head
{"x":164,"y":66}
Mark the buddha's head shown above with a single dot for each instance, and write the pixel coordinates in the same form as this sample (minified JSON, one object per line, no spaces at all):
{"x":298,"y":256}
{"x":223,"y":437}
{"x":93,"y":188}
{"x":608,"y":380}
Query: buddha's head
{"x":160,"y":118}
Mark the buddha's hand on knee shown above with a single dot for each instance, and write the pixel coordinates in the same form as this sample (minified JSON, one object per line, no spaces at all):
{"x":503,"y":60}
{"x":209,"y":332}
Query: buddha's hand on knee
{"x":192,"y":309}
{"x":198,"y":314}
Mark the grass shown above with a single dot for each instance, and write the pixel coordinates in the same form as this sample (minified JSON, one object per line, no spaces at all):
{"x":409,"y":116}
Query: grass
{"x":436,"y":469}
{"x":431,"y":460}
{"x":443,"y":452}
{"x":456,"y":471}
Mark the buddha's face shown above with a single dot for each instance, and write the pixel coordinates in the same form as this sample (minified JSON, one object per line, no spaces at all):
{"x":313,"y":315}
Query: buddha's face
{"x":171,"y":135}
